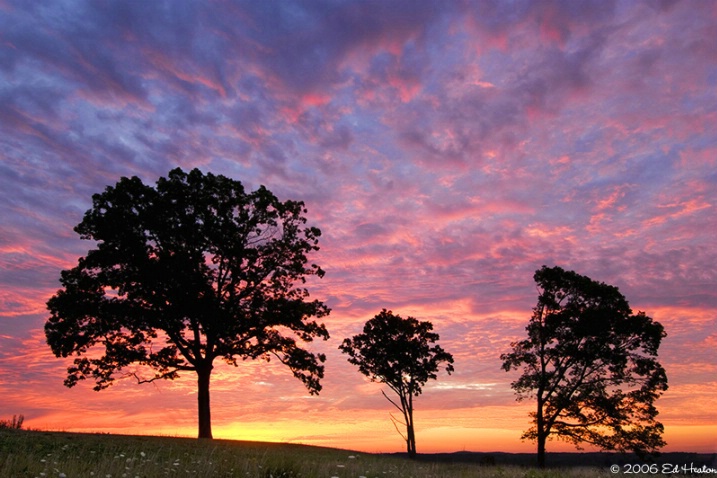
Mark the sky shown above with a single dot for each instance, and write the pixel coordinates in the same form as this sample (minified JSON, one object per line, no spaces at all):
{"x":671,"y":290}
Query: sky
{"x":446,"y":150}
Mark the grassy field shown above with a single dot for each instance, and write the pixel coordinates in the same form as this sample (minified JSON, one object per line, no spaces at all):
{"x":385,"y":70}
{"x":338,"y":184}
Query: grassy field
{"x":69,"y":455}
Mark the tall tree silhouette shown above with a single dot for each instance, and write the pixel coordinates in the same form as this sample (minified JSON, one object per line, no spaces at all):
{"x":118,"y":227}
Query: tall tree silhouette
{"x":591,"y":365}
{"x":398,"y":352}
{"x":182,"y":274}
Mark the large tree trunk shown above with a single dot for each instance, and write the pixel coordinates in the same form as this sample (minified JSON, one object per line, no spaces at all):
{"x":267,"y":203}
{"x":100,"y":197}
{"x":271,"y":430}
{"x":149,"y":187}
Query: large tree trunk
{"x":411,"y":441}
{"x":541,"y":449}
{"x":205,"y":417}
{"x":542,"y":435}
{"x":539,"y":416}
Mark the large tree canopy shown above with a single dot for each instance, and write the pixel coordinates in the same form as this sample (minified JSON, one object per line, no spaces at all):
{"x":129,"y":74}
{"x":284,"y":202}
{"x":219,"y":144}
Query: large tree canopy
{"x":399,"y":353}
{"x":184,"y":273}
{"x":592,"y":366}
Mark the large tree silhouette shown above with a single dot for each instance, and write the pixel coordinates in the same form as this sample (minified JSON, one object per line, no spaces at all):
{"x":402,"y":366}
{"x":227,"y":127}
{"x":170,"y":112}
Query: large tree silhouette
{"x":592,"y":366}
{"x":398,"y":352}
{"x":182,"y":274}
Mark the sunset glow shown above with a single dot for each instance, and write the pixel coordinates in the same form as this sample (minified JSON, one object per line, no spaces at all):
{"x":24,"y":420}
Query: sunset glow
{"x":446,"y":150}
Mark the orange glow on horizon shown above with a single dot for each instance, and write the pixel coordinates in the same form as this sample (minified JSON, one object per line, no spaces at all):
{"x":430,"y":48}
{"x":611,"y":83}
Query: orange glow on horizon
{"x":378,"y":436}
{"x":437,"y":431}
{"x":271,"y":400}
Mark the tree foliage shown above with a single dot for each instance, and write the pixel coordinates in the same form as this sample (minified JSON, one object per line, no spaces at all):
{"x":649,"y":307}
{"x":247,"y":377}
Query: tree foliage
{"x":591,"y":365}
{"x":399,"y":353}
{"x":184,"y":273}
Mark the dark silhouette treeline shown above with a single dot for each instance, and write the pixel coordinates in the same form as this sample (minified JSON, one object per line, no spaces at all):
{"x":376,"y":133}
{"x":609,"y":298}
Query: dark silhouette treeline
{"x":570,"y":460}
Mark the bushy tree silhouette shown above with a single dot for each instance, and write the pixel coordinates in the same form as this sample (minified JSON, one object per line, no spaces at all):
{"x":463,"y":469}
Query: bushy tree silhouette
{"x":591,"y":365}
{"x":182,"y":274}
{"x":398,"y":352}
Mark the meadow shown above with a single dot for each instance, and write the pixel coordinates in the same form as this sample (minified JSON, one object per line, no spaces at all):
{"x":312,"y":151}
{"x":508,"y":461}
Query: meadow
{"x":28,"y":453}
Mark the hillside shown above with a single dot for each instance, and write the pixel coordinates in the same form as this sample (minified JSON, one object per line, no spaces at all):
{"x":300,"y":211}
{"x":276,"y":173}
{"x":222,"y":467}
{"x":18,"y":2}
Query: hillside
{"x":67,"y":455}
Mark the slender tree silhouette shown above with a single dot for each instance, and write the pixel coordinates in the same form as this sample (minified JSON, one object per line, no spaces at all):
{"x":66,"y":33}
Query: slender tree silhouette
{"x":591,"y":365}
{"x":398,"y":352}
{"x":182,"y":274}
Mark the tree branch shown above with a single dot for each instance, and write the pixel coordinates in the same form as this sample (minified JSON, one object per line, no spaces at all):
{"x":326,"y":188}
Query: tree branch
{"x":394,"y":421}
{"x":165,"y":375}
{"x":400,"y":409}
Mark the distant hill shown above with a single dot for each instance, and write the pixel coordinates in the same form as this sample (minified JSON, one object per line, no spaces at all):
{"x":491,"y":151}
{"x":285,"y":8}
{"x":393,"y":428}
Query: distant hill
{"x":26,"y":452}
{"x":591,"y":459}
